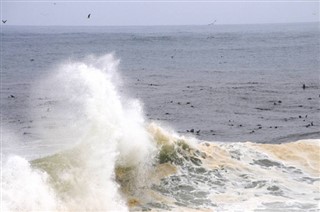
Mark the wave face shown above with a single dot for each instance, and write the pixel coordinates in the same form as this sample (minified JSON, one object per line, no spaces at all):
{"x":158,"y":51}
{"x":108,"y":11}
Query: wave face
{"x":115,"y":160}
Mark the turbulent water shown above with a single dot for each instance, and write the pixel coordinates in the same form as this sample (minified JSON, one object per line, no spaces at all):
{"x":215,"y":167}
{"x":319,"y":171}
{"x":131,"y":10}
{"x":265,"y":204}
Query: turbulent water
{"x":74,"y":139}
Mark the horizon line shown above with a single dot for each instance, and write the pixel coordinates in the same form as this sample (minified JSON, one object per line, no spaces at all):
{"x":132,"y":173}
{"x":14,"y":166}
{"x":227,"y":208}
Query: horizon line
{"x":163,"y":25}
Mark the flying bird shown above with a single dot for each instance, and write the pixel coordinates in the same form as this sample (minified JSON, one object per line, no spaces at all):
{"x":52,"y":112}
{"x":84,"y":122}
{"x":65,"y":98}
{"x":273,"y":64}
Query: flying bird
{"x":212,"y":23}
{"x":4,"y":21}
{"x":89,"y":15}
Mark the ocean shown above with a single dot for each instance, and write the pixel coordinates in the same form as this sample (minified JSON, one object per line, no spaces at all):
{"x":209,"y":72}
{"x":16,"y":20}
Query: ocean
{"x":153,"y":118}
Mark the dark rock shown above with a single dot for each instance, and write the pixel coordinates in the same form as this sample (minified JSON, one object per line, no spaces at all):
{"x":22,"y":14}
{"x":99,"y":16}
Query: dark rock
{"x":303,"y":86}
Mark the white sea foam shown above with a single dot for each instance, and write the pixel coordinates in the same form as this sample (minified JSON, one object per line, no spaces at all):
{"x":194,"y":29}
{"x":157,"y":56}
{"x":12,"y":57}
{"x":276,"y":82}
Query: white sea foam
{"x":82,"y":108}
{"x":25,"y":189}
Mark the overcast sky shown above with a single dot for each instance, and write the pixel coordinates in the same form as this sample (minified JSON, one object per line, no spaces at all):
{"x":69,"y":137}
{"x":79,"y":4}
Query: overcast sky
{"x":157,"y":13}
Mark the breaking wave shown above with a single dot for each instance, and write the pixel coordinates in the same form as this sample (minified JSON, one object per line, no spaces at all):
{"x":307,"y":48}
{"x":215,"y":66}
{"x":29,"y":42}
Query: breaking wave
{"x":113,"y":159}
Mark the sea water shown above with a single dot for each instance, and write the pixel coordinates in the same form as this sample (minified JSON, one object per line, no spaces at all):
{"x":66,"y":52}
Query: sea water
{"x":101,"y":118}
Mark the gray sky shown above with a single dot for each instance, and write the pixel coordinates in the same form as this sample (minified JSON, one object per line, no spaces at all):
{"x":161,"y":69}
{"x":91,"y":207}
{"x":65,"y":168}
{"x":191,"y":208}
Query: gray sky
{"x":157,"y":13}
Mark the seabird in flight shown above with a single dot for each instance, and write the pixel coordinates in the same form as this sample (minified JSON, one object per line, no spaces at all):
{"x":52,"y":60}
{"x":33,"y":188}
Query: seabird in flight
{"x":4,"y":21}
{"x":212,"y":23}
{"x":89,"y":15}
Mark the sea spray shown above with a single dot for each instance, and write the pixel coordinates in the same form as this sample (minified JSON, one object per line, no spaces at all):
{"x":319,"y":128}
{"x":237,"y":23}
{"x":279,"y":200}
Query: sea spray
{"x":82,"y":98}
{"x":24,"y":188}
{"x":82,"y":106}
